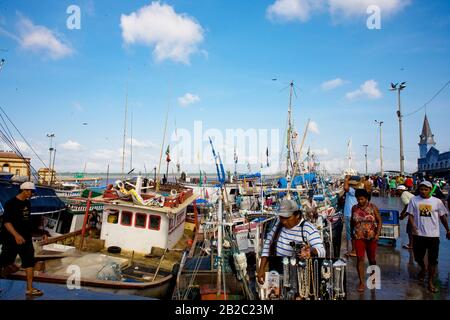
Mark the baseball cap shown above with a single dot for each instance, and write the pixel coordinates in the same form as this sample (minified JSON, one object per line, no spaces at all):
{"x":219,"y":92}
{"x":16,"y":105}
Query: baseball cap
{"x":426,"y":183}
{"x":401,"y":187}
{"x":27,"y":186}
{"x":287,"y":208}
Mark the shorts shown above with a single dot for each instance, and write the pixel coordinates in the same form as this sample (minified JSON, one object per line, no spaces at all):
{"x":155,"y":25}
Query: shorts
{"x":10,"y":251}
{"x":363,"y":246}
{"x":424,"y":244}
{"x":409,"y":228}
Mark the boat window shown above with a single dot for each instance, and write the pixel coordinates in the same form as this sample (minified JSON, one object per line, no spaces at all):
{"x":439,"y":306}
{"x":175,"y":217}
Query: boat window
{"x":141,"y":220}
{"x":113,"y":216}
{"x":126,"y":218}
{"x":155,"y":222}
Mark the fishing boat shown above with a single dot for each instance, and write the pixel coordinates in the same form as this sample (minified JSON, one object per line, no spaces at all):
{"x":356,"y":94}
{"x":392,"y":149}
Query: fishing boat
{"x":141,"y":243}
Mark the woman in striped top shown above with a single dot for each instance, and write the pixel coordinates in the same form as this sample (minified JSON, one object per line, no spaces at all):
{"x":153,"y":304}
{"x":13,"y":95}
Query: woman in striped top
{"x":290,"y":227}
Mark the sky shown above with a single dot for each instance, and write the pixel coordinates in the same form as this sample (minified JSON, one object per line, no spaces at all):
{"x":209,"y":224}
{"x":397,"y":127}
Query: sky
{"x":222,"y":69}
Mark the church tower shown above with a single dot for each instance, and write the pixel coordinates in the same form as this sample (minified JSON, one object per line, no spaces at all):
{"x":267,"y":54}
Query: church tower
{"x":426,"y":139}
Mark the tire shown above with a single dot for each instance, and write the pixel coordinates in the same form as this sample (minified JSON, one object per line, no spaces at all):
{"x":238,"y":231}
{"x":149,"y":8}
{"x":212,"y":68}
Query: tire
{"x":114,"y":249}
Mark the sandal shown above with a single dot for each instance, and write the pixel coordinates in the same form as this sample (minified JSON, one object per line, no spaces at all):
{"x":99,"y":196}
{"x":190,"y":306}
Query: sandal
{"x":433,"y":289}
{"x":34,"y":292}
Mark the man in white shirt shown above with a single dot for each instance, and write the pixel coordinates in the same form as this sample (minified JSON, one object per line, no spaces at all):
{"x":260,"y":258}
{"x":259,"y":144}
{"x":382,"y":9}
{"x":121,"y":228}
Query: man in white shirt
{"x":289,"y":227}
{"x":424,"y":213}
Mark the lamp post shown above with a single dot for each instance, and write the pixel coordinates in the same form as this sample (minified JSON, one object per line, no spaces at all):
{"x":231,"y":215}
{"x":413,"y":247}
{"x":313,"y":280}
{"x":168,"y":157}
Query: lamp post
{"x":398,"y":88}
{"x":51,"y":136}
{"x":381,"y":148}
{"x":365,"y":154}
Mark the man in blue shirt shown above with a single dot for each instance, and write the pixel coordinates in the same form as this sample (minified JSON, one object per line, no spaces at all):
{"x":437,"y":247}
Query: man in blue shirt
{"x":350,"y":201}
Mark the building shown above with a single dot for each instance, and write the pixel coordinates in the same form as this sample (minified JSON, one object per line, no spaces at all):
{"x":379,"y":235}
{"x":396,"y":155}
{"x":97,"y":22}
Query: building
{"x":12,"y":163}
{"x":431,"y":161}
{"x":46,"y":175}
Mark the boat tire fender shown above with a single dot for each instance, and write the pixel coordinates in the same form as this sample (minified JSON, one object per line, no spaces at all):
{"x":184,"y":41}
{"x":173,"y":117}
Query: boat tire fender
{"x":114,"y":249}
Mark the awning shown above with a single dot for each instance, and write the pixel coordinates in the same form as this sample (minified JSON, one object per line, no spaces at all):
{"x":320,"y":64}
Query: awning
{"x":44,"y":200}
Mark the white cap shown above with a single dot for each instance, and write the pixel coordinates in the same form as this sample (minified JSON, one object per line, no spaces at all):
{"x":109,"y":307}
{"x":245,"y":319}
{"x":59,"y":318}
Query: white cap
{"x":287,"y":208}
{"x":401,"y":187}
{"x":27,"y":186}
{"x":426,"y":184}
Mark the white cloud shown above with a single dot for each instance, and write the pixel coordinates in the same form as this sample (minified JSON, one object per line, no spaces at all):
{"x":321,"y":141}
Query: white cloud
{"x":173,"y":36}
{"x":349,"y":8}
{"x":368,"y":89}
{"x":71,"y":146}
{"x":140,"y":144}
{"x":332,"y":84}
{"x":188,"y":99}
{"x":40,"y":39}
{"x":320,"y":152}
{"x":302,"y":10}
{"x":23,"y":147}
{"x":77,"y":106}
{"x":313,"y":127}
{"x":291,"y":10}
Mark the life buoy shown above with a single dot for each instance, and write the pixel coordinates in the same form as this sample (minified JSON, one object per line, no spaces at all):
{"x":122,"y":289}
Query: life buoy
{"x":173,"y":193}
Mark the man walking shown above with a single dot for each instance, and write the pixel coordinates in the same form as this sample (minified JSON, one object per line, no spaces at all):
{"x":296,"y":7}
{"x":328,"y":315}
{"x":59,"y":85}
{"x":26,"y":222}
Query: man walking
{"x":425,"y":212}
{"x":16,"y":235}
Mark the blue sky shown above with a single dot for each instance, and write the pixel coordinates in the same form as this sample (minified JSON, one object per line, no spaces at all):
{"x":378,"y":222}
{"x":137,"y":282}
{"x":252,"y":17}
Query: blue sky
{"x":221,"y":57}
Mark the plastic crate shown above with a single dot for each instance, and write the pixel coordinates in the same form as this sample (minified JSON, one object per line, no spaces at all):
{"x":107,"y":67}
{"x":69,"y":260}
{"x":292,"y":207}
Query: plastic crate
{"x":390,"y":217}
{"x":390,"y":232}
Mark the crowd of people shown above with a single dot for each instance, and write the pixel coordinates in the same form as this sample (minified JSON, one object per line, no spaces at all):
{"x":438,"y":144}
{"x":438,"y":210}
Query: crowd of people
{"x":425,"y":205}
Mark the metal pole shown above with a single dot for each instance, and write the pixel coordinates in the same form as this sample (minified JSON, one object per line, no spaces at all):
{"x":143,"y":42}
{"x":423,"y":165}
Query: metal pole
{"x":289,"y":133}
{"x":365,"y":146}
{"x":402,"y":158}
{"x":219,"y":246}
{"x":381,"y":151}
{"x":86,"y":214}
{"x":51,"y":136}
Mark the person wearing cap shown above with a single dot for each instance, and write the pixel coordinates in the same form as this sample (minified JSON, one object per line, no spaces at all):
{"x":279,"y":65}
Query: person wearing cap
{"x":16,"y":235}
{"x":310,"y":207}
{"x":424,"y":212}
{"x":289,"y":227}
{"x":435,"y":189}
{"x":405,"y":197}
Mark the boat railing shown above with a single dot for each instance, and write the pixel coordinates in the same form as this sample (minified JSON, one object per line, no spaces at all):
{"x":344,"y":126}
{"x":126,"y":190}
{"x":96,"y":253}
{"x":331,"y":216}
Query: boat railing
{"x":66,"y":239}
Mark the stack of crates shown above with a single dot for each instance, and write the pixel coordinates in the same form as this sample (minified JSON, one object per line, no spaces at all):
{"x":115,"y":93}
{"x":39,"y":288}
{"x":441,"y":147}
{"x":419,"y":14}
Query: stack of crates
{"x":390,"y":230}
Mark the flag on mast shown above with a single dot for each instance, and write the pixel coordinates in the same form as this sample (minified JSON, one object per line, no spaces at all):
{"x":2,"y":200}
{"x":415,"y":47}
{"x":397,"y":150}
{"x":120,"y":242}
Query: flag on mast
{"x":168,"y":153}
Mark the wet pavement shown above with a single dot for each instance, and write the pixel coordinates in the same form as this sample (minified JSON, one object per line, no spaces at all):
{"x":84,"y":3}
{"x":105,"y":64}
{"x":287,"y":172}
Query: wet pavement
{"x":15,"y":290}
{"x":398,"y":268}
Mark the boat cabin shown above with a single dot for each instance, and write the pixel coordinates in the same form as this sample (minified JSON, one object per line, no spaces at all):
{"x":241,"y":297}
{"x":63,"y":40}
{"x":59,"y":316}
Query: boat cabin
{"x":137,"y":227}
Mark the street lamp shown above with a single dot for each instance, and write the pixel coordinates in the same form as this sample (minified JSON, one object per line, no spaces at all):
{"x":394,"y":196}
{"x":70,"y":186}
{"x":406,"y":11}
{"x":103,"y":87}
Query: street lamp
{"x":398,"y":88}
{"x":365,"y":154}
{"x":51,"y":136}
{"x":381,"y":147}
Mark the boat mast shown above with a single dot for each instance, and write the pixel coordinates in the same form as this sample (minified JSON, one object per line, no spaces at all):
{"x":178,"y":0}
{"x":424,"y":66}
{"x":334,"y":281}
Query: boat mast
{"x":289,"y":133}
{"x":219,"y":246}
{"x":162,"y":147}
{"x":131,"y":141}
{"x":124,"y":130}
